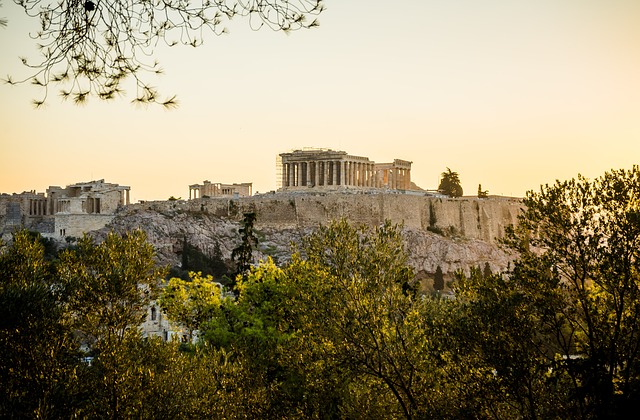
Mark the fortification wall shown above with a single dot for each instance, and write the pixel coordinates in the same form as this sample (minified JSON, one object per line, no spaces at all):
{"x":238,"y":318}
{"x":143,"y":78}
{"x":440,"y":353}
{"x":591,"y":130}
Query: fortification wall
{"x":76,"y":225}
{"x":473,"y":218}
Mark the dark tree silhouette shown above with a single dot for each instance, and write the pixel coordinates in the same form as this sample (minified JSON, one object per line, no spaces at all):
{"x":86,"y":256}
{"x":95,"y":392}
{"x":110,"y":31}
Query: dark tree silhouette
{"x":90,"y":46}
{"x":486,"y":272}
{"x":438,"y":279}
{"x":3,"y":21}
{"x":482,"y":193}
{"x":450,"y":184}
{"x":243,"y":253}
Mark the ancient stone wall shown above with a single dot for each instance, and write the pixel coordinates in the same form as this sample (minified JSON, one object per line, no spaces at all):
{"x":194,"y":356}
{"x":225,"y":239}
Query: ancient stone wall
{"x":75,"y":225}
{"x":473,"y":218}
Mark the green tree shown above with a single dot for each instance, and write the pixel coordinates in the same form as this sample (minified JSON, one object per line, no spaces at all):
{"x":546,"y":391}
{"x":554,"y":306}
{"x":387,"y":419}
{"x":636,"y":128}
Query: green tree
{"x":190,"y":303}
{"x":242,"y":255}
{"x":486,"y":271}
{"x":90,"y":47}
{"x":369,"y":324}
{"x":44,"y":320}
{"x":450,"y":184}
{"x":438,"y":279}
{"x":511,"y":363}
{"x":110,"y":286}
{"x":39,"y":376}
{"x":339,"y":331}
{"x":259,"y":328}
{"x":587,"y":235}
{"x":561,"y":328}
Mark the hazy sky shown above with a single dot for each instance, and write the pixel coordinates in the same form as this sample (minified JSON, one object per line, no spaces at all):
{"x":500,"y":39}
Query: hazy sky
{"x":509,"y":93}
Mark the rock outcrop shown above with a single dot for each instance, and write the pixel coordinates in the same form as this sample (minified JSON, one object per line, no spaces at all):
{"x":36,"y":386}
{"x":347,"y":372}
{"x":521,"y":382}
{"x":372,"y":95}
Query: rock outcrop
{"x":451,"y":233}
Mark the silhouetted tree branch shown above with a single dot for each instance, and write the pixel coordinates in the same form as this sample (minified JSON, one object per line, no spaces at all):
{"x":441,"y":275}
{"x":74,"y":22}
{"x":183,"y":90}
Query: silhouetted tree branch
{"x":3,"y":21}
{"x":90,"y":46}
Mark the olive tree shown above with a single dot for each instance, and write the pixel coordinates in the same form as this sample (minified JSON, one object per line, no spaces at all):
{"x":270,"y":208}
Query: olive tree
{"x":38,"y":373}
{"x":561,"y":329}
{"x":109,"y":287}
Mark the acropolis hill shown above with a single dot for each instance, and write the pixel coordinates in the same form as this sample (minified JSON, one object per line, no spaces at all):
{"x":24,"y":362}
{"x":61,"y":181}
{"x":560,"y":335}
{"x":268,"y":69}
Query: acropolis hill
{"x":450,"y":233}
{"x":315,"y":188}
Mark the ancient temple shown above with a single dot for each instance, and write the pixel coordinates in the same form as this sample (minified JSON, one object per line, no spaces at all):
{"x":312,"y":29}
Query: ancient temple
{"x":330,"y":169}
{"x":210,"y":189}
{"x":63,"y":212}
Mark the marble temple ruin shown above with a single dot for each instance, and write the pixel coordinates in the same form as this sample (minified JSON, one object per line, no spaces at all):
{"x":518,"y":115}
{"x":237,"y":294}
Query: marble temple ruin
{"x":330,"y":169}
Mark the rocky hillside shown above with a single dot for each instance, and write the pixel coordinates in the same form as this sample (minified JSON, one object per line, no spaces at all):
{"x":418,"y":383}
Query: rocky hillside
{"x":211,"y":226}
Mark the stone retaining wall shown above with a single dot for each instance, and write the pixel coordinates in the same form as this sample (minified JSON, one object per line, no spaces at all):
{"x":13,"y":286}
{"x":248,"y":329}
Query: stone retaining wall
{"x":472,"y":218}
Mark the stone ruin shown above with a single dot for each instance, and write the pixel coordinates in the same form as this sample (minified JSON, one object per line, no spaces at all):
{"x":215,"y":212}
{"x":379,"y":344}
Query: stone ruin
{"x":63,"y":212}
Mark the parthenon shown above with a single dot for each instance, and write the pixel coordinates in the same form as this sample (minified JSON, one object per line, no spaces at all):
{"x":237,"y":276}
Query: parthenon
{"x":330,"y":169}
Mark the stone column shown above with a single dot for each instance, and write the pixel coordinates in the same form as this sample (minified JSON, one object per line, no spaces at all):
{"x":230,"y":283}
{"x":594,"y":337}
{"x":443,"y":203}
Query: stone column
{"x":355,"y":174}
{"x":352,"y":178}
{"x":308,"y":173}
{"x":347,"y":170}
{"x":285,"y":167}
{"x":334,"y":173}
{"x":365,"y":173}
{"x":343,"y":166}
{"x":316,"y":170}
{"x":293,"y":174}
{"x":327,"y":172}
{"x":290,"y":170}
{"x":301,"y":174}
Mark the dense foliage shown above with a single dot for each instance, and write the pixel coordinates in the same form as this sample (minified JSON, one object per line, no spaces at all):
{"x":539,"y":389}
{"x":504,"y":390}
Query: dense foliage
{"x":341,"y":330}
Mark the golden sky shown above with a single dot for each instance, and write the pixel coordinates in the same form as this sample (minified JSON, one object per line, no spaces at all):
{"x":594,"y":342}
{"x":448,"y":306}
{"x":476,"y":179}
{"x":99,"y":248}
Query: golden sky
{"x":510,"y":94}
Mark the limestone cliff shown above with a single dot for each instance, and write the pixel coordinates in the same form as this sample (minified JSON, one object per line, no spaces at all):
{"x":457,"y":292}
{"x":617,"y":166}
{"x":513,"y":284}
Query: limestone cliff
{"x":452,"y":233}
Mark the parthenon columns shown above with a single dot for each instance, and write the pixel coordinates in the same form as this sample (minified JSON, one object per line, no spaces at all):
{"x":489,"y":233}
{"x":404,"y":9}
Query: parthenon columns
{"x":328,"y":168}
